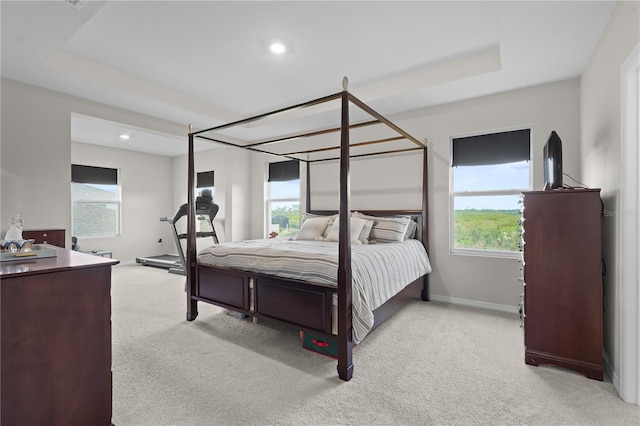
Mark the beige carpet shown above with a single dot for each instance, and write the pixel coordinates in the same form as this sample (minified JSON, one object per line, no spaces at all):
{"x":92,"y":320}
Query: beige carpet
{"x":432,"y":363}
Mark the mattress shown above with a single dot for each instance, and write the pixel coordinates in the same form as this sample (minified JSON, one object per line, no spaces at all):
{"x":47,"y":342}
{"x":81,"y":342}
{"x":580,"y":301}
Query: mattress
{"x":379,"y":271}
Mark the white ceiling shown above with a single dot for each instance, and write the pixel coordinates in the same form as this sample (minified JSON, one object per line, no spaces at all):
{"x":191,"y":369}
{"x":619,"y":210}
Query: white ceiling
{"x":207,"y":62}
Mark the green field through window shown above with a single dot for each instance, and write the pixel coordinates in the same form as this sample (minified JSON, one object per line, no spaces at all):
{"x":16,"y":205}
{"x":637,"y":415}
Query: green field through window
{"x":487,"y":229}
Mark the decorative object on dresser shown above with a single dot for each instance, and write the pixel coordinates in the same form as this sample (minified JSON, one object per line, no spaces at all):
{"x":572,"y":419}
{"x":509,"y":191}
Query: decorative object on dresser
{"x":15,"y":229}
{"x":55,"y":237}
{"x":562,"y":279}
{"x":56,"y":340}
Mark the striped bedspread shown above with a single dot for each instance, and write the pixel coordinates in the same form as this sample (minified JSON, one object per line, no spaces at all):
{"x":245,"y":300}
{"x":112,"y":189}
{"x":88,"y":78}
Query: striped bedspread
{"x":379,"y":271}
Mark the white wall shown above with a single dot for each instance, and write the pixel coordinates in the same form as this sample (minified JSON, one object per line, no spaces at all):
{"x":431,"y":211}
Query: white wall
{"x":258,"y":193}
{"x":146,"y":183}
{"x":543,"y":108}
{"x":232,"y":190}
{"x":377,"y":183}
{"x":36,"y":158}
{"x":36,"y":151}
{"x":600,"y":131}
{"x":239,"y":206}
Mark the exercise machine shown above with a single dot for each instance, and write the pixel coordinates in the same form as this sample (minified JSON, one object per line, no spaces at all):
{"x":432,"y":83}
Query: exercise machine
{"x":206,"y":211}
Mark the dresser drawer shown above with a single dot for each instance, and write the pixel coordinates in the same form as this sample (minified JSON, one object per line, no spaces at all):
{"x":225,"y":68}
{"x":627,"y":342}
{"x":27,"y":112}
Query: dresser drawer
{"x":55,"y":237}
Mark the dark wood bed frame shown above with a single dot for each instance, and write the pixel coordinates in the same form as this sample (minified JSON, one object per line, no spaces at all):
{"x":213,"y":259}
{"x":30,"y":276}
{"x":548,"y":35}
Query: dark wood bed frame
{"x":302,"y":305}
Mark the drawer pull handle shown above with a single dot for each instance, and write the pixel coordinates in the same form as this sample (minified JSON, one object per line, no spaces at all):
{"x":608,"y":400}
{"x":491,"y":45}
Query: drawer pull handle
{"x":320,"y":344}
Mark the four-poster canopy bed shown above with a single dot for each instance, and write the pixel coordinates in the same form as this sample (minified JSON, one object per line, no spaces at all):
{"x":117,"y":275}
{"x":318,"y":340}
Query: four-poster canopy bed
{"x":308,"y":303}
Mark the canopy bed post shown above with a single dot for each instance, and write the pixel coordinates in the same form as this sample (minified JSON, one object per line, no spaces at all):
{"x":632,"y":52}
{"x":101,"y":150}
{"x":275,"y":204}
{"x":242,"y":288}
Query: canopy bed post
{"x":308,"y":188}
{"x":345,"y":337}
{"x":192,"y":305}
{"x":425,"y":216}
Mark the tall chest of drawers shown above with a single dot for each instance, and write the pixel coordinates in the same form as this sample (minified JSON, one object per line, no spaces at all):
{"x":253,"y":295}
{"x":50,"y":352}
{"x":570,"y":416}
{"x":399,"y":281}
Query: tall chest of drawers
{"x":562,"y":279}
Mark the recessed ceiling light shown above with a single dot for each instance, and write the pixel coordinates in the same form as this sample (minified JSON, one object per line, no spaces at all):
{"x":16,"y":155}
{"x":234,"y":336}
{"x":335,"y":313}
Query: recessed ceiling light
{"x":125,"y":137}
{"x":278,"y":48}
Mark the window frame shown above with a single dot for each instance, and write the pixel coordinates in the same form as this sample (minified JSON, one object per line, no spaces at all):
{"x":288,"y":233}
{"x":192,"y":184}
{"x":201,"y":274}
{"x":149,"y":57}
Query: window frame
{"x":269,"y":198}
{"x":117,"y":203}
{"x":487,"y":193}
{"x":208,"y":175}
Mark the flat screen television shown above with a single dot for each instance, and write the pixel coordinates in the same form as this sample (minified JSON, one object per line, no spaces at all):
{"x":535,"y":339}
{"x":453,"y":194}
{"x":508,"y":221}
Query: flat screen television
{"x":553,"y":162}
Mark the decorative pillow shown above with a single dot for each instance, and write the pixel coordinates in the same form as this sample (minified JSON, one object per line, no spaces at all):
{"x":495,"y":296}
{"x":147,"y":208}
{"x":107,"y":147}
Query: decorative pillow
{"x":312,"y":228}
{"x":306,"y":216}
{"x":411,"y":230}
{"x":332,"y":220}
{"x":386,"y":229}
{"x":366,"y":231}
{"x":356,"y":229}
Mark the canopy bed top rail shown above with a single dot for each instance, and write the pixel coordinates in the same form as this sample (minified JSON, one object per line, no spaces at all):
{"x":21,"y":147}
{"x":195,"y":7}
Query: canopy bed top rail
{"x":372,"y":142}
{"x":245,"y":147}
{"x":369,"y":154}
{"x":272,"y":113}
{"x":292,"y":155}
{"x":383,"y":119}
{"x":264,"y":146}
{"x":314,"y":133}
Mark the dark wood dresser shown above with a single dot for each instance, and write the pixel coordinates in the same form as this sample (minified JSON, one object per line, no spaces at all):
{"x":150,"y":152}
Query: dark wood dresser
{"x":56,"y":340}
{"x":562,"y":298}
{"x":55,"y":237}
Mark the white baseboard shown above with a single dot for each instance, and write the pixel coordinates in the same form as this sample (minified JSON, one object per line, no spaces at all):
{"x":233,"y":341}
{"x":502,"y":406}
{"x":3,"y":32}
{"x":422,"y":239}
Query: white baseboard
{"x":608,"y":369}
{"x":475,"y":303}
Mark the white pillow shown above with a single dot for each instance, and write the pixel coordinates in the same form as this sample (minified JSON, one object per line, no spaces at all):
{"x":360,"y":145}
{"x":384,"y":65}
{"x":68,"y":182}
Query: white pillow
{"x":306,"y":216}
{"x":366,"y":231}
{"x":332,"y":220}
{"x":411,"y":230}
{"x":312,"y":228}
{"x":356,"y":229}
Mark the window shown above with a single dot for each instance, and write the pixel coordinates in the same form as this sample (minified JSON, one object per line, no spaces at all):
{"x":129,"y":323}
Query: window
{"x":283,"y":199}
{"x":488,"y":174}
{"x":205,"y":181}
{"x":95,"y":199}
{"x":204,"y":184}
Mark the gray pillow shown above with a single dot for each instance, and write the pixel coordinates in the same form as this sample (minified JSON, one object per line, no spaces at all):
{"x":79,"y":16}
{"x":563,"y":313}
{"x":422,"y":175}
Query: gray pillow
{"x":386,"y":229}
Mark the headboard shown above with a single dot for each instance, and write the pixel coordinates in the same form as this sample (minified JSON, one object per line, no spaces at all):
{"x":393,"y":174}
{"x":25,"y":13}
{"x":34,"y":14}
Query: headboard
{"x":415,"y":215}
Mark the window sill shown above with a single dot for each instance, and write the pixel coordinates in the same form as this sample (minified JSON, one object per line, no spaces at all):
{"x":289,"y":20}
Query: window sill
{"x":96,"y":237}
{"x":487,"y":253}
